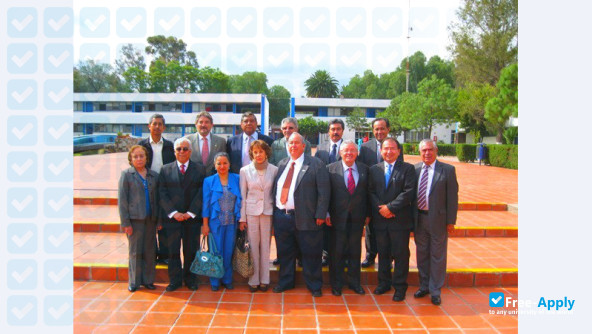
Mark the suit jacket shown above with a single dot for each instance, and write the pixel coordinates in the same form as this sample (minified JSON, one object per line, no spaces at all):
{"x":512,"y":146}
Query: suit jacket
{"x":443,"y":197}
{"x":257,"y":199}
{"x":311,"y":193}
{"x":168,"y":151}
{"x":218,"y":144}
{"x":324,"y":151}
{"x":343,"y":204}
{"x":369,"y":156}
{"x":179,"y":192}
{"x":398,"y":195}
{"x":131,"y":197}
{"x":278,"y":150}
{"x":212,"y":192}
{"x":234,"y":148}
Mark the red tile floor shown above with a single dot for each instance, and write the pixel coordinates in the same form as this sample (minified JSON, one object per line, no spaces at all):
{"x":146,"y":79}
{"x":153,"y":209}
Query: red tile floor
{"x":106,"y":307}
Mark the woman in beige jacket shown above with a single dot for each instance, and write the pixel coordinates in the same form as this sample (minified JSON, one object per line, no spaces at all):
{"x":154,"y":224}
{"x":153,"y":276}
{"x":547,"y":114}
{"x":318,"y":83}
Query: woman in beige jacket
{"x":256,"y":184}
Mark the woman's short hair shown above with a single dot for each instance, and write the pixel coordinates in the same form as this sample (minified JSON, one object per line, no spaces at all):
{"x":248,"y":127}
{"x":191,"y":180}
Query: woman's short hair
{"x":221,"y":154}
{"x":129,"y":154}
{"x":260,"y":144}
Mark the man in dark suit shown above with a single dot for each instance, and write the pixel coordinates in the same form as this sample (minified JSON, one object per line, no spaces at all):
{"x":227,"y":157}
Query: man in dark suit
{"x":329,"y":153}
{"x":180,"y":190}
{"x":392,"y":192}
{"x":160,"y":152}
{"x":370,"y":155}
{"x":349,"y":212}
{"x":205,"y":144}
{"x":302,"y":182}
{"x":238,"y":146}
{"x":279,"y":148}
{"x":436,"y":209}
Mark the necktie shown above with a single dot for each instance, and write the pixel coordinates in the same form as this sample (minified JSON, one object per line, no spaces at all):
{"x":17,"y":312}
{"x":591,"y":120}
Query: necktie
{"x":287,"y":184}
{"x":246,"y":158}
{"x":333,"y":155}
{"x":205,"y":151}
{"x":351,"y":183}
{"x":387,"y":175}
{"x":423,"y":186}
{"x":183,"y":169}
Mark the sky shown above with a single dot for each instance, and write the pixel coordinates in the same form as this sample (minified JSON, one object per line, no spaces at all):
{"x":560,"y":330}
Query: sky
{"x":286,"y":41}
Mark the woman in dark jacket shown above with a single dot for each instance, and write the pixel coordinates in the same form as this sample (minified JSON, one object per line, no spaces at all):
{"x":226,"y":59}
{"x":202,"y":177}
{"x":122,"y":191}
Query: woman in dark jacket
{"x":138,"y":212}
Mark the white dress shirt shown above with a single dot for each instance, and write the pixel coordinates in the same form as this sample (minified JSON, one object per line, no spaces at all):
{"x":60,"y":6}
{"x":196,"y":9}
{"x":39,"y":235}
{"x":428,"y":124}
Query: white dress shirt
{"x":200,"y":142}
{"x":354,"y":168}
{"x":156,"y":154}
{"x":280,"y":183}
{"x":430,"y":178}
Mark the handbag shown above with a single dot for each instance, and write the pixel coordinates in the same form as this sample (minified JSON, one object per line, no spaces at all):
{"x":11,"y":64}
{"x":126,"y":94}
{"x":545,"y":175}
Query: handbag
{"x":242,"y":260}
{"x":208,"y":263}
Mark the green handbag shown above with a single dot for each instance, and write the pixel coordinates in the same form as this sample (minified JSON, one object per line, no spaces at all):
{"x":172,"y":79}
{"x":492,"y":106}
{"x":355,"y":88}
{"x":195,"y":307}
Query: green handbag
{"x":208,"y":263}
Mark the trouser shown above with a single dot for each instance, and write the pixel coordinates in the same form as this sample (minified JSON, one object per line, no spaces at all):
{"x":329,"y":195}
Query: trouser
{"x":162,"y":250}
{"x":370,"y":241}
{"x":187,"y":232}
{"x":225,"y":238}
{"x":345,"y":244}
{"x":289,"y":240}
{"x":393,"y":244}
{"x":141,"y":252}
{"x":259,"y":231}
{"x":431,"y":251}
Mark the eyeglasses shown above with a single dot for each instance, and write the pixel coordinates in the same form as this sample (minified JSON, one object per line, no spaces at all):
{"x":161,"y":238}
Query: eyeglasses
{"x":184,"y":149}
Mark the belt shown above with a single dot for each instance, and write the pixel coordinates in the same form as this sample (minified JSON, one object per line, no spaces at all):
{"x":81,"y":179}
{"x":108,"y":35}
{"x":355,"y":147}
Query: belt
{"x":286,"y":212}
{"x":422,"y":212}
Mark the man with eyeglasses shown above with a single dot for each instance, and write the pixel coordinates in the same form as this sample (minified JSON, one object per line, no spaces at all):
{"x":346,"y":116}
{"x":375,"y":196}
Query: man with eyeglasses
{"x":180,"y":191}
{"x":279,"y":147}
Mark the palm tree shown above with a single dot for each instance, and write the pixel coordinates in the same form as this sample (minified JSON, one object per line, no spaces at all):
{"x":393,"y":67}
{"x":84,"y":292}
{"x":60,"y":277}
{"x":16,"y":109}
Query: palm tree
{"x":321,"y":84}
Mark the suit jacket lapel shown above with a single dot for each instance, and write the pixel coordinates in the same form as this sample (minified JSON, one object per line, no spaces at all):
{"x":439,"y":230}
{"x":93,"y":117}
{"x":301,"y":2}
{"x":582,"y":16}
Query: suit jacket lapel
{"x":437,"y":174}
{"x":175,"y":173}
{"x":303,"y":170}
{"x":341,"y":177}
{"x":361,"y":176}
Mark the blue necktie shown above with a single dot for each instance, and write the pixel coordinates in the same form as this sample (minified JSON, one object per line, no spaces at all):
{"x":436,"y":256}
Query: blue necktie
{"x":387,"y":175}
{"x":333,"y":155}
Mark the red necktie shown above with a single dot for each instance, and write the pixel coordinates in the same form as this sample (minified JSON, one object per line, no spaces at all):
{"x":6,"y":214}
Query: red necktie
{"x":183,"y":169}
{"x":351,"y":183}
{"x":287,"y":184}
{"x":205,"y":151}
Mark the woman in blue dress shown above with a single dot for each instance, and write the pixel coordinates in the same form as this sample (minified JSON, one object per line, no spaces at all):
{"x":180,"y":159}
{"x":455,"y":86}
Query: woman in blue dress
{"x":221,"y":212}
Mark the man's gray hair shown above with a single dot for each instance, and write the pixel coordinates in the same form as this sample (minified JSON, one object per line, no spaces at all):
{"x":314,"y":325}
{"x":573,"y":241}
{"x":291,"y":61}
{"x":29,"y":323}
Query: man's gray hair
{"x":290,"y":120}
{"x":426,"y":141}
{"x":182,"y":140}
{"x":346,"y":142}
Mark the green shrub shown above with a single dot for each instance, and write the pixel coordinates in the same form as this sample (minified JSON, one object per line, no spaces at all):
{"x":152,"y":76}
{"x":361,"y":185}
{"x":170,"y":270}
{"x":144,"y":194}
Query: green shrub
{"x":447,"y":150}
{"x":411,"y":148}
{"x":466,"y":152}
{"x":503,"y":156}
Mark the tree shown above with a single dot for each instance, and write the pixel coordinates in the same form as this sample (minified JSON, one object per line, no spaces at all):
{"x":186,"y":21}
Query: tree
{"x":499,"y":108}
{"x":173,"y":77}
{"x":90,"y":77}
{"x":279,"y":103}
{"x":167,"y":49}
{"x":128,"y":58}
{"x":212,"y":80}
{"x":249,"y":83}
{"x":471,"y":101}
{"x":367,"y":86}
{"x":137,"y":80}
{"x":310,"y":128}
{"x":484,"y":40}
{"x":357,"y":121}
{"x":321,"y":84}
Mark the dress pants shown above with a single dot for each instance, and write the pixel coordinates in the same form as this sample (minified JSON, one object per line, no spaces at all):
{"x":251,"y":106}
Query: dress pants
{"x":288,"y":241}
{"x":345,"y":244}
{"x":393,"y":244}
{"x":259,"y":231}
{"x":188,"y":232}
{"x":370,"y":241}
{"x":431,"y":251}
{"x":141,"y":252}
{"x":225,"y":238}
{"x":162,"y":250}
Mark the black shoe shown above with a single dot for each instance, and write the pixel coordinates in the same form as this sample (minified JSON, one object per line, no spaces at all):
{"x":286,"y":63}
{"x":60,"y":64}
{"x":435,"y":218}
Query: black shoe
{"x":132,"y":288}
{"x":317,"y":293}
{"x":172,"y":287}
{"x":276,"y":262}
{"x":368,"y":262}
{"x":279,"y":289}
{"x":335,"y":291}
{"x":398,"y":297}
{"x":420,"y":293}
{"x":229,"y":286}
{"x":381,"y":289}
{"x":215,"y":288}
{"x":192,"y":287}
{"x":252,"y":288}
{"x":263,"y":287}
{"x":357,"y":289}
{"x":436,"y":300}
{"x":150,"y":286}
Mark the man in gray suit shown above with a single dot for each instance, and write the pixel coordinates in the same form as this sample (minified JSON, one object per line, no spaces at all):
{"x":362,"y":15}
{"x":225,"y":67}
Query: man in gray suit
{"x":302,"y":182}
{"x":279,"y":148}
{"x":204,"y":144}
{"x":437,"y":205}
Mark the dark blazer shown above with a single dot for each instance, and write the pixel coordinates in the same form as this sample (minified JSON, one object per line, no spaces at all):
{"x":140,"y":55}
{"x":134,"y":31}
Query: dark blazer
{"x":131,"y":197}
{"x":218,"y":144}
{"x":399,"y":195}
{"x":311,"y":193}
{"x":342,"y":203}
{"x":443,"y":197}
{"x":278,"y":151}
{"x":168,"y":151}
{"x":179,"y":192}
{"x":369,"y":156}
{"x":234,"y":148}
{"x":324,"y":151}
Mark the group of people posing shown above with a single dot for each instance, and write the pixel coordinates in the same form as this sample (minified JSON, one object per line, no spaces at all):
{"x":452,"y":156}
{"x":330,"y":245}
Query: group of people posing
{"x":317,"y":207}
